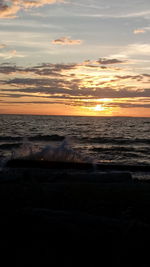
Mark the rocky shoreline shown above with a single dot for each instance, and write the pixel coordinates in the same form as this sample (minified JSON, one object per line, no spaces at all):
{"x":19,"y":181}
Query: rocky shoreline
{"x":72,"y":218}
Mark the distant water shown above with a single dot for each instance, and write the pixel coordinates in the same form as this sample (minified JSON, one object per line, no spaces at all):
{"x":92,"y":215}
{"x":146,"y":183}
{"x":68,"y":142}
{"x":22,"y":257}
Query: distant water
{"x":120,"y":140}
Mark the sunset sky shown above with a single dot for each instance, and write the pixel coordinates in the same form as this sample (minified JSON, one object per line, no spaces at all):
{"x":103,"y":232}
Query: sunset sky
{"x":75,"y":57}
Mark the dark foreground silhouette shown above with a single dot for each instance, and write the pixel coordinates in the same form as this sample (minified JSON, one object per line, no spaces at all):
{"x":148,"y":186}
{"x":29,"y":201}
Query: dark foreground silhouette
{"x":62,"y":218}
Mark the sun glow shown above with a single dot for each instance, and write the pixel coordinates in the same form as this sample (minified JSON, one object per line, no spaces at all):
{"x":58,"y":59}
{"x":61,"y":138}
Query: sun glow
{"x":98,"y":108}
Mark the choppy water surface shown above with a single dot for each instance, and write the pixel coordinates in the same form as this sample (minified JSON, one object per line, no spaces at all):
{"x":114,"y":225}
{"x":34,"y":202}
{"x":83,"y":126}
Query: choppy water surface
{"x":118,"y":140}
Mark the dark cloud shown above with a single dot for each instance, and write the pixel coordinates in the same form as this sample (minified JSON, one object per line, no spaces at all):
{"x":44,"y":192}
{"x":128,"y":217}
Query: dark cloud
{"x":47,"y":86}
{"x":7,"y":69}
{"x":35,"y":82}
{"x":69,"y":88}
{"x":107,"y":92}
{"x":52,"y":69}
{"x":44,"y":69}
{"x":146,"y":75}
{"x":66,"y":41}
{"x":105,"y":61}
{"x":14,"y":95}
{"x":33,"y":102}
{"x":129,"y":105}
{"x":82,"y":103}
{"x":134,"y":77}
{"x":138,"y":78}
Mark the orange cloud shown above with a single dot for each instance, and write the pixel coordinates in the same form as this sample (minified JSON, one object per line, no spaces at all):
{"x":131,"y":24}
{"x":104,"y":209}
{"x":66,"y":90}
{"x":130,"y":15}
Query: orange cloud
{"x":10,"y":10}
{"x":139,"y":31}
{"x":2,"y":46}
{"x":107,"y":61}
{"x":66,"y":41}
{"x":7,"y":11}
{"x":31,"y":4}
{"x":10,"y":54}
{"x":72,"y":86}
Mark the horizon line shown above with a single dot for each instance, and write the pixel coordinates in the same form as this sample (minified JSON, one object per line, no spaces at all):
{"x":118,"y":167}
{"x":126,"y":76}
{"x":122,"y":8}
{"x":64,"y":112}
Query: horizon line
{"x":56,"y":115}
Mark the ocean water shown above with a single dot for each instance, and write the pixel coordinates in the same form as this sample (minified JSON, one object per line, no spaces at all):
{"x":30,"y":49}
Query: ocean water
{"x":120,"y":140}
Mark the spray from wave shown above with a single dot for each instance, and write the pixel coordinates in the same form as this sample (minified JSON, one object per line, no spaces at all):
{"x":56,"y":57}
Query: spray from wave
{"x":62,"y":152}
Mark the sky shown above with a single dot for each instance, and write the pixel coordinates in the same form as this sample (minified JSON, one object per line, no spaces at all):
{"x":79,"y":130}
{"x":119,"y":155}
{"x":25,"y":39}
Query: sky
{"x":75,"y":57}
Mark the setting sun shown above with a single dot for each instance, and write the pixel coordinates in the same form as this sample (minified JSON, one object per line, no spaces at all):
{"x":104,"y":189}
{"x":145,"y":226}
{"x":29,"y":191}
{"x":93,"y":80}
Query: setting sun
{"x":98,"y":108}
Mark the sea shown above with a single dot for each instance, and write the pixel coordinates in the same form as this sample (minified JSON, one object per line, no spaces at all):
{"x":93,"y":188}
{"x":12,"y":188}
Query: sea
{"x":115,"y":140}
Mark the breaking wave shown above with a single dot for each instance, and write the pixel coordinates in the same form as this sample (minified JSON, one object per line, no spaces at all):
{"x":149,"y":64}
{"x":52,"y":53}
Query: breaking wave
{"x":62,"y":152}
